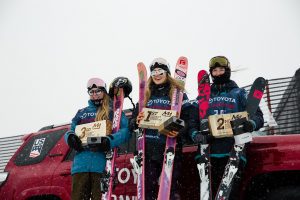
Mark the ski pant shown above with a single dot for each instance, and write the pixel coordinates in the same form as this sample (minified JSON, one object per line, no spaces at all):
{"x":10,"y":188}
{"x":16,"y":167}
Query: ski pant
{"x":217,"y":170}
{"x":153,"y":170}
{"x":86,"y":185}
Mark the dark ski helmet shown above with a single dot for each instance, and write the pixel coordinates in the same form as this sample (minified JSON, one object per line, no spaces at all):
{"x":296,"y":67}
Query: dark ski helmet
{"x":96,"y":83}
{"x":220,"y":61}
{"x":120,"y":82}
{"x":160,"y":63}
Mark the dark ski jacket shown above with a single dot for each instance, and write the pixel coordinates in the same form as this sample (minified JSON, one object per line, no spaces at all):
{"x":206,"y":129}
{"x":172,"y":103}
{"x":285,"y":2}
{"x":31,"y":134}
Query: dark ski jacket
{"x":224,"y":99}
{"x":91,"y":161}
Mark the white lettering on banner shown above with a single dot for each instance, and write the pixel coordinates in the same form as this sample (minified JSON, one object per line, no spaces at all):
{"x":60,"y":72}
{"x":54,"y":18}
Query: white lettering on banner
{"x":121,"y":197}
{"x":227,"y":99}
{"x":124,"y":180}
{"x":127,"y":175}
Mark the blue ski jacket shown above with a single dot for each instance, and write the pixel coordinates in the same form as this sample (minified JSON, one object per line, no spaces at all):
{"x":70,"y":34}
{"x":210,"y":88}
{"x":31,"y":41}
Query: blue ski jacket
{"x":224,"y":99}
{"x":94,"y":161}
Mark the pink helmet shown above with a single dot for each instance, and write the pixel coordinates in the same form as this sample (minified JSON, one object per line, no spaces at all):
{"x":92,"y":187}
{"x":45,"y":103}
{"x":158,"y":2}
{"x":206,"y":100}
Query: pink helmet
{"x":96,"y":82}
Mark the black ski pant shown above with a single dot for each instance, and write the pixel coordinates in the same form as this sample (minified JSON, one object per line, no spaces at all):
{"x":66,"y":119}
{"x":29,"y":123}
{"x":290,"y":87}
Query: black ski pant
{"x":217,"y":170}
{"x":153,"y":170}
{"x":86,"y":186}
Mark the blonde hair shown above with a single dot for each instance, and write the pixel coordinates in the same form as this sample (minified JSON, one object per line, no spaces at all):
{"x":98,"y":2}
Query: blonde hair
{"x":173,"y":84}
{"x":103,"y":110}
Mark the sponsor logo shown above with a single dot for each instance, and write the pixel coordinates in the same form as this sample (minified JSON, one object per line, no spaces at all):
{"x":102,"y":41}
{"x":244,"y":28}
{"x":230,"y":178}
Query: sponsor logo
{"x":158,"y":101}
{"x":37,"y":147}
{"x":258,"y":94}
{"x":85,"y":115}
{"x":226,"y":99}
{"x":182,"y":62}
{"x":116,"y":118}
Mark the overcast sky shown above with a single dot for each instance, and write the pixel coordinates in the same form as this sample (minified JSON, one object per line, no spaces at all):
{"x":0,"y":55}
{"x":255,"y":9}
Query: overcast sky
{"x":49,"y":49}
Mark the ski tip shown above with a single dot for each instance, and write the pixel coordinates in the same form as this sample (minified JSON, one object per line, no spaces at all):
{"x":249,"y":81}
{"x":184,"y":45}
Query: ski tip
{"x":260,"y":80}
{"x":182,"y":61}
{"x":141,"y":67}
{"x":141,"y":64}
{"x":202,"y":73}
{"x":182,"y":58}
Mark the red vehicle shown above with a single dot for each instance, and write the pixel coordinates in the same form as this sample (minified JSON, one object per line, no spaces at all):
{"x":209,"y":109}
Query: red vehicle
{"x":273,"y":169}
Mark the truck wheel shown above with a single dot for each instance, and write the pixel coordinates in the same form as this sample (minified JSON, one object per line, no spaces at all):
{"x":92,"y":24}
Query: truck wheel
{"x":284,"y":193}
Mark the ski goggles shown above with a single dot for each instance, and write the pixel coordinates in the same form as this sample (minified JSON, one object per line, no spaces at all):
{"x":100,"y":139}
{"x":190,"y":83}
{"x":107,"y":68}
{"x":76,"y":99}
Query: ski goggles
{"x":159,"y":72}
{"x":97,"y":91}
{"x":219,"y":61}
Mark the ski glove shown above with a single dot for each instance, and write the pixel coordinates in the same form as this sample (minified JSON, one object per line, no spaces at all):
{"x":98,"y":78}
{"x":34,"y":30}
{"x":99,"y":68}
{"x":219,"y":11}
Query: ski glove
{"x":249,"y":126}
{"x":105,"y":144}
{"x":74,"y":142}
{"x":132,"y":125}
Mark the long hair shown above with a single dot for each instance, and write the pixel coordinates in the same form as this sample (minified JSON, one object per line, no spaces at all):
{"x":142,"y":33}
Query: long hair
{"x":103,"y":110}
{"x":173,"y":84}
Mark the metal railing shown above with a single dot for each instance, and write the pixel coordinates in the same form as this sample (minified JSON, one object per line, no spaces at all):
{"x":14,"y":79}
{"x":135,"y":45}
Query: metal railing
{"x":283,"y":101}
{"x":8,"y":146}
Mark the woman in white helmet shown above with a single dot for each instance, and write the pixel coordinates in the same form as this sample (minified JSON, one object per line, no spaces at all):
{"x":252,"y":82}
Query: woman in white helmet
{"x":89,"y":162}
{"x":160,"y":87}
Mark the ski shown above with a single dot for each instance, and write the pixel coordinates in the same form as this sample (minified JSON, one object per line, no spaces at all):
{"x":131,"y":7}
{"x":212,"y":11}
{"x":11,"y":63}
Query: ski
{"x":176,"y":102}
{"x":108,"y":178}
{"x":203,"y":159}
{"x":254,"y":97}
{"x":138,"y":160}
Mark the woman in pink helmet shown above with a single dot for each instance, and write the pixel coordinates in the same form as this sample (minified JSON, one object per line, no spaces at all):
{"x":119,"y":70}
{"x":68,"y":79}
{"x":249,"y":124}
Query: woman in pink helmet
{"x":89,"y":162}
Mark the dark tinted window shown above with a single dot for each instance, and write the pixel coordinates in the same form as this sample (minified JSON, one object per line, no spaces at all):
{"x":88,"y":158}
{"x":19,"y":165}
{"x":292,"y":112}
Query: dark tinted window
{"x":37,"y":148}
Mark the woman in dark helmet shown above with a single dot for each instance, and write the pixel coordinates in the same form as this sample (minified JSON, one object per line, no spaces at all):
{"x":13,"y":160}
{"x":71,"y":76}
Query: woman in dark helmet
{"x":89,"y":162}
{"x":158,"y":96}
{"x":226,"y":97}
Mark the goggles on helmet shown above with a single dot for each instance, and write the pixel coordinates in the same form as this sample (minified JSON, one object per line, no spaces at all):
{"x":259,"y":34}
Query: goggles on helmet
{"x":220,"y":61}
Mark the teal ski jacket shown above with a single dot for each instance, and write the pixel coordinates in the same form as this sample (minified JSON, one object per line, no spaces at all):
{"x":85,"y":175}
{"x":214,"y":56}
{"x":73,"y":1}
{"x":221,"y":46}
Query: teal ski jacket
{"x":94,"y":161}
